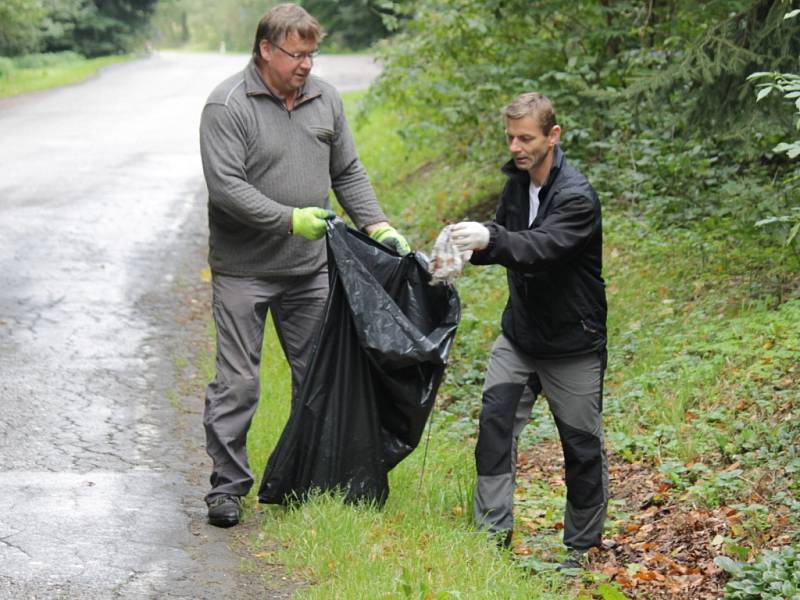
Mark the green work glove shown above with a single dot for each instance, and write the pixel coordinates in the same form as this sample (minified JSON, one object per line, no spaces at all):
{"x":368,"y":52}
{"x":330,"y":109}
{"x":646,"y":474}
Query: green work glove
{"x":390,"y":237}
{"x":310,"y":222}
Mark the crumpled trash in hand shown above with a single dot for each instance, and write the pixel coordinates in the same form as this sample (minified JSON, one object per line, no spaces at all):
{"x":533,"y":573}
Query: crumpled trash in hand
{"x":447,"y":262}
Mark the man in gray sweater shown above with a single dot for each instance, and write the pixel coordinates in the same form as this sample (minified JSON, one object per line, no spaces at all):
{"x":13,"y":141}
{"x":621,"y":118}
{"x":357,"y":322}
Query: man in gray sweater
{"x":274,"y":140}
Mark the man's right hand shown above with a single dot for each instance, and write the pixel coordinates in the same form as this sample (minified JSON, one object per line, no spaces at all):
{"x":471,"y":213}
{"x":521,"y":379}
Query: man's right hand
{"x":311,"y":222}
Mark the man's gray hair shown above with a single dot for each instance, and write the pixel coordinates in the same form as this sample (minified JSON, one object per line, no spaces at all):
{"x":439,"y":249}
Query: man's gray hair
{"x":536,"y":105}
{"x":283,"y":19}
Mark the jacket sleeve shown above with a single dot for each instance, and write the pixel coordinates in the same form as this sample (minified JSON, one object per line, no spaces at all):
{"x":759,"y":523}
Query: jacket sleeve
{"x":223,"y":150}
{"x":563,"y":233}
{"x":349,"y":178}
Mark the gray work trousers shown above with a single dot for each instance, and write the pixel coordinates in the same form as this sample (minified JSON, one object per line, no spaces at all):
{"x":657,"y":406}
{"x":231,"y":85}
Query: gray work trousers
{"x":240,"y":307}
{"x":573,"y":387}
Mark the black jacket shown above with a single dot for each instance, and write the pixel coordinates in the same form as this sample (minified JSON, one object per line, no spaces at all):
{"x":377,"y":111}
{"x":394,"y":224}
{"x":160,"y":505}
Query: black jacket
{"x":557,"y":302}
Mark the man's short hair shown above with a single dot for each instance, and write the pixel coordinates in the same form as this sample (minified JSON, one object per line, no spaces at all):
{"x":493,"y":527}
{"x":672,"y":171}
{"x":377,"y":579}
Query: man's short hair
{"x":534,"y":104}
{"x":283,"y":19}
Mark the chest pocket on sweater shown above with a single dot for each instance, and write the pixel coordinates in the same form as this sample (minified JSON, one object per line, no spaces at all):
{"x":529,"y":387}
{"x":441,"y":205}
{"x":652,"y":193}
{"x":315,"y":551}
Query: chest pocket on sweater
{"x":323,"y":134}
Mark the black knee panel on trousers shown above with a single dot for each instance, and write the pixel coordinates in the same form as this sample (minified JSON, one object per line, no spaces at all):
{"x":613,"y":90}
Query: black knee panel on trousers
{"x":583,"y":466}
{"x":493,"y":450}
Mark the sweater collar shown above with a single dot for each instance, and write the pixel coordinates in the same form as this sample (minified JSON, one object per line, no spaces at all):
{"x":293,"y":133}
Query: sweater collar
{"x":254,"y":85}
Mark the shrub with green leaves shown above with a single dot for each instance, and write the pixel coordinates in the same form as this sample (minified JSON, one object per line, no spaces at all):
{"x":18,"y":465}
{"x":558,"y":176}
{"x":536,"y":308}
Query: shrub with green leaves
{"x":774,"y":575}
{"x":6,"y":66}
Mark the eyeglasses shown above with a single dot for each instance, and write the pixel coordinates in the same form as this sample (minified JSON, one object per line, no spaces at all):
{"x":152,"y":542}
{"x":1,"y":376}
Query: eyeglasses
{"x":298,"y":56}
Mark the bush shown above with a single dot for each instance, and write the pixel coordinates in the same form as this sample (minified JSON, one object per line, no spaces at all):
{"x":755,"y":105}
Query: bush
{"x":49,"y":59}
{"x":775,"y":575}
{"x":6,"y":66}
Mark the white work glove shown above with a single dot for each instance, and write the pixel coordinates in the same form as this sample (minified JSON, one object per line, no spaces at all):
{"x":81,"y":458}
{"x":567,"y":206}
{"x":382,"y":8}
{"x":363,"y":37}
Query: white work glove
{"x":469,"y":235}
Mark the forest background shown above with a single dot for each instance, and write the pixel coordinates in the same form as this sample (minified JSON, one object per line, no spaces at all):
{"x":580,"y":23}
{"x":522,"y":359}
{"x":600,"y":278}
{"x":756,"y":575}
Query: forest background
{"x":685,"y":115}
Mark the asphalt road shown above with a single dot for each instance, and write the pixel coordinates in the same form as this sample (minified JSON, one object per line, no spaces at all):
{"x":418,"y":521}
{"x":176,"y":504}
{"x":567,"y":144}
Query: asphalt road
{"x":102,"y":235}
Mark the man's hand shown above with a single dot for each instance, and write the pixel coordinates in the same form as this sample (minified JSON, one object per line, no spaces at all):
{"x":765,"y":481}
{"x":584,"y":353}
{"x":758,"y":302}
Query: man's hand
{"x":469,"y":235}
{"x":390,"y":237}
{"x":310,"y":222}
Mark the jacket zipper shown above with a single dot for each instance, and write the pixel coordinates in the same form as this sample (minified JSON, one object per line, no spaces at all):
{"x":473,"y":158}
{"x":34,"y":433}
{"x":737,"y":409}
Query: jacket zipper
{"x":587,"y":328}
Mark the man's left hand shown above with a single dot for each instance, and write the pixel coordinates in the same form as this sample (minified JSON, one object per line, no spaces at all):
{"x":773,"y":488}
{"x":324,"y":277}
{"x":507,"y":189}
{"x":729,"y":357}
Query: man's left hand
{"x":390,"y":237}
{"x":469,"y":235}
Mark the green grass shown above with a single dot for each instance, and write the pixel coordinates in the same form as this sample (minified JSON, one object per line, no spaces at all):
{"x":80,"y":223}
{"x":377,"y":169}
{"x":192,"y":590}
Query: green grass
{"x":694,"y":346}
{"x":21,"y":81}
{"x":419,"y":545}
{"x":703,"y":373}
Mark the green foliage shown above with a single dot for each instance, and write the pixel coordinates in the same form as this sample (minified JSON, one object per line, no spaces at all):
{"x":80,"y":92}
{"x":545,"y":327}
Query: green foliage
{"x":596,"y":60}
{"x":775,"y":575}
{"x":609,"y":592}
{"x":703,"y":484}
{"x":113,"y":27}
{"x":707,"y":54}
{"x":787,"y":84}
{"x":791,"y":220}
{"x":91,"y":28}
{"x":355,"y":24}
{"x":18,"y":31}
{"x":457,"y":61}
{"x":57,"y":29}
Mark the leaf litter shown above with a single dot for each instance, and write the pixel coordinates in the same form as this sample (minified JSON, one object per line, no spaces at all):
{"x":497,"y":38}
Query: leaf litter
{"x":657,"y":545}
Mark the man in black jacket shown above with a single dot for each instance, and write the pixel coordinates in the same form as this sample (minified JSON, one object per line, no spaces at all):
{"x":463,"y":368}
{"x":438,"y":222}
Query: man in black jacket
{"x":548,"y":235}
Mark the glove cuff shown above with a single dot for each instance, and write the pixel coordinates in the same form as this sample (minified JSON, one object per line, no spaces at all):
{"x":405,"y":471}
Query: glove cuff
{"x":381,"y":232}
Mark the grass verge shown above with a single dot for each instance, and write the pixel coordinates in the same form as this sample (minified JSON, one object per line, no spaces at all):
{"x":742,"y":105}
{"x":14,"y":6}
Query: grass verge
{"x":23,"y":80}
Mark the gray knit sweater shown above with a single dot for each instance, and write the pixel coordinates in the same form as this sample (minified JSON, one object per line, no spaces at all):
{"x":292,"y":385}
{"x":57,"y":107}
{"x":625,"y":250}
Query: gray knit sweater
{"x":261,"y":161}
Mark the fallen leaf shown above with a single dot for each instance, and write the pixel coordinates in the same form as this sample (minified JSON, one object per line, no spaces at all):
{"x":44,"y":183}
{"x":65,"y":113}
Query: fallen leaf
{"x":646,"y":575}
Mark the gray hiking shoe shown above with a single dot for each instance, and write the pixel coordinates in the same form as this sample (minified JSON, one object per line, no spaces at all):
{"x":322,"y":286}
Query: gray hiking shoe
{"x":576,"y":560}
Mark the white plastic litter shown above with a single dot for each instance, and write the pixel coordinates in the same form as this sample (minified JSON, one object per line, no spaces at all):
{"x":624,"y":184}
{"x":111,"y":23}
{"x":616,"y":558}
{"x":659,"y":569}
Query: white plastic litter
{"x":447,"y":262}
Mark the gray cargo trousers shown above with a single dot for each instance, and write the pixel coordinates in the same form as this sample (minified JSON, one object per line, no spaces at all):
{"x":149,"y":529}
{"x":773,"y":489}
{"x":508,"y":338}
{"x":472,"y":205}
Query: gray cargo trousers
{"x":573,"y":387}
{"x":240,"y":307}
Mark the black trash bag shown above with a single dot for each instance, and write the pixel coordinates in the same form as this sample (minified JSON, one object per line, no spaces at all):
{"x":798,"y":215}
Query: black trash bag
{"x":379,"y":358}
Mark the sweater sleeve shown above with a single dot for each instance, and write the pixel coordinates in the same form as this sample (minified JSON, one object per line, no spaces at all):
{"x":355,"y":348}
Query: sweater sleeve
{"x":349,"y":178}
{"x":223,"y":149}
{"x":560,"y":236}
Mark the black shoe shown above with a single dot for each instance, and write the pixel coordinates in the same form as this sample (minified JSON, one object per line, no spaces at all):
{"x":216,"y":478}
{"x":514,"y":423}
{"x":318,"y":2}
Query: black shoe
{"x":225,"y":511}
{"x":503,"y":539}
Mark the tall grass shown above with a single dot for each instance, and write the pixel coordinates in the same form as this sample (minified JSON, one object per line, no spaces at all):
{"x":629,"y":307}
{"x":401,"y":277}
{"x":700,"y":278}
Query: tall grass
{"x":419,"y":545}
